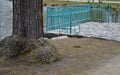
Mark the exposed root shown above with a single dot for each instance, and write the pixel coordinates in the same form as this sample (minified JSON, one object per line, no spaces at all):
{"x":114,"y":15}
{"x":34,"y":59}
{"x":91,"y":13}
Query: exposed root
{"x":31,"y":50}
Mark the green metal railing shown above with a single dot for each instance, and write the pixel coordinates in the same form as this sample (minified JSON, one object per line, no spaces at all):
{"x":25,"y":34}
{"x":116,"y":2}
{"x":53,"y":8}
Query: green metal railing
{"x":100,"y":12}
{"x":63,"y":19}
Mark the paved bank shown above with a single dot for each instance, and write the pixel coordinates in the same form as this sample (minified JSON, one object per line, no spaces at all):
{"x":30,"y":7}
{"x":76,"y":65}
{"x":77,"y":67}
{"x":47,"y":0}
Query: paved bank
{"x":111,"y":1}
{"x":108,"y":31}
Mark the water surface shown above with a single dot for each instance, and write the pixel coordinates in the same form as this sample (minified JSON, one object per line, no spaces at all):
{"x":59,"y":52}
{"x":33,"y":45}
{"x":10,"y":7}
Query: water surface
{"x":5,"y":18}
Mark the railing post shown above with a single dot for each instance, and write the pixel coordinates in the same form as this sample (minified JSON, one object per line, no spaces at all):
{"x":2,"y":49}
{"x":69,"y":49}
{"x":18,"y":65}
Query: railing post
{"x":70,"y":20}
{"x":109,"y":13}
{"x":90,"y":12}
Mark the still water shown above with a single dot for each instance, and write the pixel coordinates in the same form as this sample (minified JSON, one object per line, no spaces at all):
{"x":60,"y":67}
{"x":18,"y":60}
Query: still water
{"x":5,"y":18}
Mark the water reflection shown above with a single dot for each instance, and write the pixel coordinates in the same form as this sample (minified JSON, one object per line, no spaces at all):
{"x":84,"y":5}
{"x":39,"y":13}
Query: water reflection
{"x":5,"y":18}
{"x":115,"y":17}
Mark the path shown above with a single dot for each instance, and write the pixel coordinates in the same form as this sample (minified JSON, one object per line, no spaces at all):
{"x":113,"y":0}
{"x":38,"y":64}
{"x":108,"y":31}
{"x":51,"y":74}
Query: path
{"x":81,"y":0}
{"x":111,"y":1}
{"x":94,"y":1}
{"x":112,"y":67}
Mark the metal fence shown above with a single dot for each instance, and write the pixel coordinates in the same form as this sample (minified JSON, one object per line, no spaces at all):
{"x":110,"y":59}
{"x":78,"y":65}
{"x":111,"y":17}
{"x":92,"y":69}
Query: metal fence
{"x":100,"y":12}
{"x":67,"y":19}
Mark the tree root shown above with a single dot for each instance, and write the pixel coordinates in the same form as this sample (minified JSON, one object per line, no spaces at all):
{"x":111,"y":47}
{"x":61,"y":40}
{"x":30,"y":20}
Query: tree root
{"x":30,"y":50}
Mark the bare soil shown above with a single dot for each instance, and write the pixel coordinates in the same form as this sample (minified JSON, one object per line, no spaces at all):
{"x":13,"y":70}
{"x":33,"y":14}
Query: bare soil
{"x":111,"y":67}
{"x":77,"y":56}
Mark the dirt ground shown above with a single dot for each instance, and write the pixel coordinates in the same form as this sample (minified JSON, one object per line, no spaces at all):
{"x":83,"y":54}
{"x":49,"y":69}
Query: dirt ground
{"x":111,"y":67}
{"x":77,"y":56}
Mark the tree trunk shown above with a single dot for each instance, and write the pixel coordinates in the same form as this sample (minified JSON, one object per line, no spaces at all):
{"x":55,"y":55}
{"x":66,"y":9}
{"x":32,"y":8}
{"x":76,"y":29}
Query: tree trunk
{"x":99,"y":1}
{"x":27,"y":29}
{"x":27,"y":21}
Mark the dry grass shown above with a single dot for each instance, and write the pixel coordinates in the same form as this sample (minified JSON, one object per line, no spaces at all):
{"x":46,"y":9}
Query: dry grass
{"x":77,"y":57}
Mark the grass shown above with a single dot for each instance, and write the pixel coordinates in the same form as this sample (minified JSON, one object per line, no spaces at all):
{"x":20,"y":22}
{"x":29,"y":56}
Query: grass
{"x":112,"y":0}
{"x":60,"y":3}
{"x":114,"y":5}
{"x":77,"y":56}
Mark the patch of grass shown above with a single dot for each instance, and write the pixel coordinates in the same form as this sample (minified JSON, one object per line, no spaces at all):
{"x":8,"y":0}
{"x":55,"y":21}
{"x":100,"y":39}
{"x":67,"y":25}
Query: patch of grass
{"x":63,"y":3}
{"x":111,"y":0}
{"x":60,"y":3}
{"x":114,"y":5}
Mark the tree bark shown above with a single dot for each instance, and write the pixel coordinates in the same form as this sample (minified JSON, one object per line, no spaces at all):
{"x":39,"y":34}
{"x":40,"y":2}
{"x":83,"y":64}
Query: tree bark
{"x":27,"y":29}
{"x":27,"y":21}
{"x":100,"y":1}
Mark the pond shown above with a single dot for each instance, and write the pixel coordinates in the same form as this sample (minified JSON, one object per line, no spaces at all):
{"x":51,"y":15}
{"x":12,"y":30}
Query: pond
{"x":5,"y":18}
{"x":115,"y":17}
